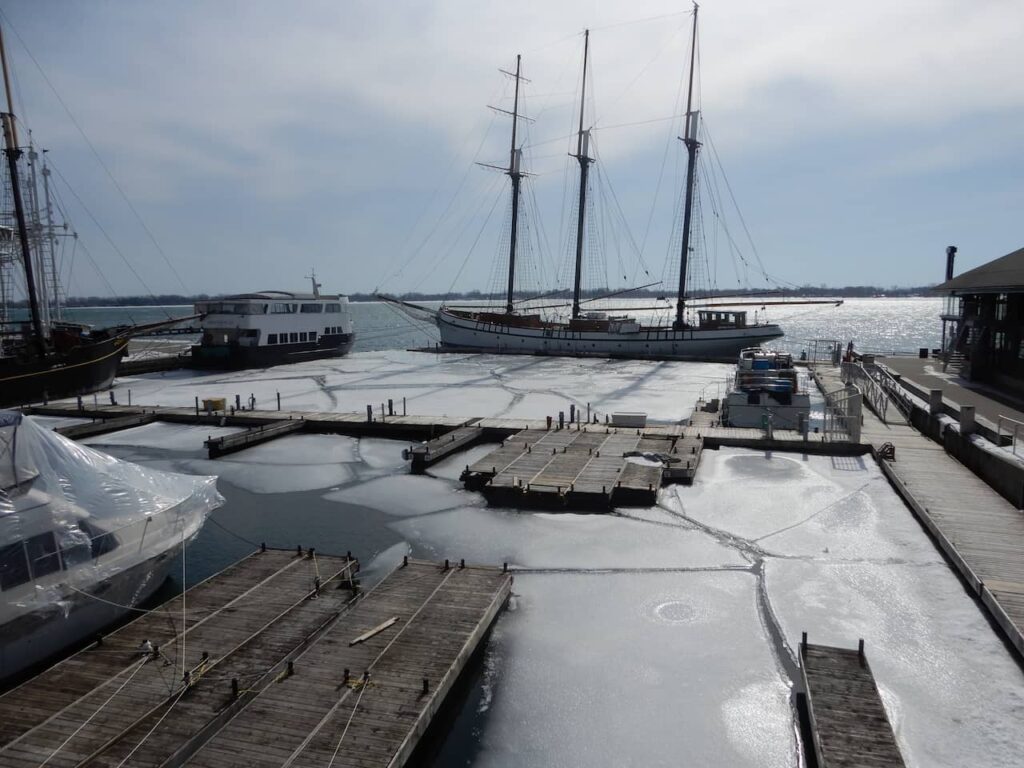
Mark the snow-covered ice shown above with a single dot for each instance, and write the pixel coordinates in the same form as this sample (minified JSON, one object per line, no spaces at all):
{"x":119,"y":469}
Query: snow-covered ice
{"x":652,"y":636}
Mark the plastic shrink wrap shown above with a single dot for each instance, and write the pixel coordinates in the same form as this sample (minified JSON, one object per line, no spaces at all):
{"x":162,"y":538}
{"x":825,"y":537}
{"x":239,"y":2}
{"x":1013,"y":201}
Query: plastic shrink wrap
{"x":84,"y":537}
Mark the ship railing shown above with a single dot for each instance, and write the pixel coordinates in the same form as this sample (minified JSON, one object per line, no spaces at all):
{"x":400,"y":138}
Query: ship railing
{"x":1013,"y":429}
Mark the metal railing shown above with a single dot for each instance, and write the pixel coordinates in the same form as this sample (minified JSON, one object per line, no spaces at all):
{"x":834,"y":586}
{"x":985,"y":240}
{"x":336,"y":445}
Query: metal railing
{"x":843,"y":414}
{"x":1018,"y":427}
{"x":877,"y":400}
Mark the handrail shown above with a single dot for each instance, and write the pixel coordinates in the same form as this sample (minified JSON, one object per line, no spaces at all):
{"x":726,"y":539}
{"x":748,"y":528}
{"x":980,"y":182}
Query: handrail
{"x":1017,"y":426}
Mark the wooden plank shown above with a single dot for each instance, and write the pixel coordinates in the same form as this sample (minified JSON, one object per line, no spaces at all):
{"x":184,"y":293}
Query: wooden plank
{"x":102,"y":427}
{"x":264,"y":433}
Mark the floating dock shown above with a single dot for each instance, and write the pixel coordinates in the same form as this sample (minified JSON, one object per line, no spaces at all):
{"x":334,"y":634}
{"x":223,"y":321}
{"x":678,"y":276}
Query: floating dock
{"x":848,"y":723}
{"x":282,"y":662}
{"x":578,"y":466}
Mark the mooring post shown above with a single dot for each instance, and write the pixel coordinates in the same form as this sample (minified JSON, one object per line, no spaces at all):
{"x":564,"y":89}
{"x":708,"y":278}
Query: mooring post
{"x":572,"y":412}
{"x":197,"y":406}
{"x":129,"y":397}
{"x":252,"y":402}
{"x":426,"y":686}
{"x":403,"y":406}
{"x":279,"y":401}
{"x":588,"y":413}
{"x":112,"y":400}
{"x":238,"y":402}
{"x":549,"y":423}
{"x":934,"y":401}
{"x":561,"y":419}
{"x":234,"y":687}
{"x":391,"y":408}
{"x":291,"y":667}
{"x":80,"y":406}
{"x":369,"y":414}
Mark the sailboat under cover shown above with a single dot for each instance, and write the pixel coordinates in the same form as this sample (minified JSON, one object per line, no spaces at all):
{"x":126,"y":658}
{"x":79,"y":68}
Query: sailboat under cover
{"x":716,"y":333}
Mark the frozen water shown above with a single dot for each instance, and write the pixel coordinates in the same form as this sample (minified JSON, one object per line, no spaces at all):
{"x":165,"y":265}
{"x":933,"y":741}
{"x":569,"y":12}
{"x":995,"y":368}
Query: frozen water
{"x":649,"y":669}
{"x":378,"y":453}
{"x":463,"y":385}
{"x":274,"y":478}
{"x":403,"y":495}
{"x":168,"y":437}
{"x":452,"y":467}
{"x":565,"y":541}
{"x":954,"y":694}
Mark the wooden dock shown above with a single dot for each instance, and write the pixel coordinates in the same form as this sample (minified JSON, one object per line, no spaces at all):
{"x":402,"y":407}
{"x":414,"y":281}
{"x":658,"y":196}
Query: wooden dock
{"x":283,"y":665}
{"x":582,"y":466}
{"x":848,"y":723}
{"x":264,"y":433}
{"x":427,"y":454}
{"x":980,"y":533}
{"x":105,"y":426}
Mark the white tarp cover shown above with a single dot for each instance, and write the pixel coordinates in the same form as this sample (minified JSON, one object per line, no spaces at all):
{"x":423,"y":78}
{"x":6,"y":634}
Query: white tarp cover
{"x":50,"y":483}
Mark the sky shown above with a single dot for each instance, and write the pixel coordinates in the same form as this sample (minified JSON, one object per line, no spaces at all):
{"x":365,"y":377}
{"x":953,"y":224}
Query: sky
{"x":211,"y":147}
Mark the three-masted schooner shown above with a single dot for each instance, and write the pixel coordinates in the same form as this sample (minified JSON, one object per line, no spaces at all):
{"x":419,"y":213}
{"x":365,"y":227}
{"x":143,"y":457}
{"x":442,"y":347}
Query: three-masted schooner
{"x":717,"y":333}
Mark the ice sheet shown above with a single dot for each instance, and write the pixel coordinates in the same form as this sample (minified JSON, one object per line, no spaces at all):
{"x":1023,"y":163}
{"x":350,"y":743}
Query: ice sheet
{"x":403,"y":495}
{"x":452,"y":467}
{"x":168,"y":437}
{"x":378,"y":453}
{"x":955,"y":695}
{"x":651,"y":670}
{"x":464,"y":385}
{"x":562,"y":541}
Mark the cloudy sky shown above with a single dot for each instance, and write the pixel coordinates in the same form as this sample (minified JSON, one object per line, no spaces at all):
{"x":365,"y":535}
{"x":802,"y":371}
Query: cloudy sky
{"x":257,"y":140}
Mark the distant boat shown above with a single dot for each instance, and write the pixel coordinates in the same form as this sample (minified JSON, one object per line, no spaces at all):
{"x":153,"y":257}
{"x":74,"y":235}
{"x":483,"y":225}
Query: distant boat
{"x":717,"y":333}
{"x":44,"y":357}
{"x":255,"y":330}
{"x":766,"y":389}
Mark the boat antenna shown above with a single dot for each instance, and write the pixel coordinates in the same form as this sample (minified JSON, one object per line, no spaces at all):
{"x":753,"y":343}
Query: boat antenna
{"x":689,"y":138}
{"x":582,"y":145}
{"x":316,"y":285}
{"x":13,"y":153}
{"x":515,"y":156}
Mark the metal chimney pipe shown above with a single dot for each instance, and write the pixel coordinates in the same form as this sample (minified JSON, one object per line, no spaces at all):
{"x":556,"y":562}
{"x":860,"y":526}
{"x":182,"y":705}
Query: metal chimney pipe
{"x":950,"y":256}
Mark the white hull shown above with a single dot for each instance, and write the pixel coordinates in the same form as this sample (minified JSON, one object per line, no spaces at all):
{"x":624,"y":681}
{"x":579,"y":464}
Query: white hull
{"x":738,"y":412}
{"x":40,"y":634}
{"x":647,"y":342}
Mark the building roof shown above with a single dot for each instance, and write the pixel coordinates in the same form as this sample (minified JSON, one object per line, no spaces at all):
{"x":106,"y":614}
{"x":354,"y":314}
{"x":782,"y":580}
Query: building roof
{"x":1003,"y":275}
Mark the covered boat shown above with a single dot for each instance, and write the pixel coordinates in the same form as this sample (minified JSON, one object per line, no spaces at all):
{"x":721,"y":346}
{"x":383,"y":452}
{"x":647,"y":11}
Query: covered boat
{"x":84,"y":538}
{"x":766,"y":391}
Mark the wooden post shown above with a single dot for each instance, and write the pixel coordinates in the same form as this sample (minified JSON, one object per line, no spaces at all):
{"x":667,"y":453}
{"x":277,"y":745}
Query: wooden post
{"x":391,"y":407}
{"x":279,"y":401}
{"x":197,"y":406}
{"x":403,"y":406}
{"x":369,"y":414}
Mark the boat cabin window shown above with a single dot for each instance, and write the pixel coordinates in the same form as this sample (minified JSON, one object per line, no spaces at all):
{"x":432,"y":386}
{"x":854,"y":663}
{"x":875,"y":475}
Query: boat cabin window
{"x":101,"y":542}
{"x":232,"y":308}
{"x":272,"y":338}
{"x":302,"y":335}
{"x":312,"y":335}
{"x":13,"y":566}
{"x":42,"y":554}
{"x":312,"y":309}
{"x":293,"y":338}
{"x":333,"y":307}
{"x":282,"y":309}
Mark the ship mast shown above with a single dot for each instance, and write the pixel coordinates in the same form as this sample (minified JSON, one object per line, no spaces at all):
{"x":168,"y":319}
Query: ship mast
{"x":515,"y":156}
{"x":13,"y":153}
{"x":689,"y":138}
{"x":582,"y":145}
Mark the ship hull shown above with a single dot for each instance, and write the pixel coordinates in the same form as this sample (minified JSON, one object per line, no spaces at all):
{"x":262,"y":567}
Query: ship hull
{"x":83,"y":369}
{"x":654,"y":343}
{"x":37,"y":636}
{"x":236,"y":357}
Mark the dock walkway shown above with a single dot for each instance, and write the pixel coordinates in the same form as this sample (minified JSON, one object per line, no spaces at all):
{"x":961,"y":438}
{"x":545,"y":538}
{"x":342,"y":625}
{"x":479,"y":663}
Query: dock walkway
{"x":281,"y":664}
{"x":980,"y":532}
{"x":849,"y":726}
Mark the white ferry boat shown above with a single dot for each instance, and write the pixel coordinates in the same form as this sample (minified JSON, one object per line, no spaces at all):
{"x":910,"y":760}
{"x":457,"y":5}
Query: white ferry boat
{"x":255,"y":330}
{"x":766,"y":388}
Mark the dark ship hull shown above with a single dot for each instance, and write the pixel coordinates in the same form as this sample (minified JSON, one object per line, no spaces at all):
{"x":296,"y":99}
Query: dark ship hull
{"x":84,"y":368}
{"x":233,"y":357}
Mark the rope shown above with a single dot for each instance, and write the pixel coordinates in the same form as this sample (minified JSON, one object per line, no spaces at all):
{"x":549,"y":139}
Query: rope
{"x":227,"y":530}
{"x":351,"y":715}
{"x":139,"y":665}
{"x":155,"y":726}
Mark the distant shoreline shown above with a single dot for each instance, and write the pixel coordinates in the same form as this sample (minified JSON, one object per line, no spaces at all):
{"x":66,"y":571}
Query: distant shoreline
{"x":173,"y":300}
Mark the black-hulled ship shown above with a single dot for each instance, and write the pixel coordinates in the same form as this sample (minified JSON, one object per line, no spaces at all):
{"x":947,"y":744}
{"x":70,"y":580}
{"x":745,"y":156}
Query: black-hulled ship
{"x":256,"y":330}
{"x":45,"y":356}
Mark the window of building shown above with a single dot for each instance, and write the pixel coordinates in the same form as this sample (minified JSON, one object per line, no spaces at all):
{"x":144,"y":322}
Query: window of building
{"x":13,"y":566}
{"x":999,"y":341}
{"x":272,"y":338}
{"x":1001,"y":306}
{"x":333,"y":307}
{"x":293,"y":338}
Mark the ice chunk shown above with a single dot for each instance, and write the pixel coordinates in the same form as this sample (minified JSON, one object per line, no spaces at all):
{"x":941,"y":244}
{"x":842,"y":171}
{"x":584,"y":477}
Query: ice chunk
{"x":379,"y":453}
{"x":403,"y":495}
{"x":452,"y":467}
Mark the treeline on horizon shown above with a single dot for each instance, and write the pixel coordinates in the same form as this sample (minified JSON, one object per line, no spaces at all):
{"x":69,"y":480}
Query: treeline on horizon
{"x":849,"y":291}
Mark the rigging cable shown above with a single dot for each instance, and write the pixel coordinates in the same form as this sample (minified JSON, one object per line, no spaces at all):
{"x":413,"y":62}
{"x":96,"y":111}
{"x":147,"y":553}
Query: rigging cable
{"x":95,"y":153}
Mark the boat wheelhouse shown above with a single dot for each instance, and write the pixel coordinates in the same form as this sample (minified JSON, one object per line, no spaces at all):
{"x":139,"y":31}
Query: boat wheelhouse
{"x":254,"y":330}
{"x":766,"y":391}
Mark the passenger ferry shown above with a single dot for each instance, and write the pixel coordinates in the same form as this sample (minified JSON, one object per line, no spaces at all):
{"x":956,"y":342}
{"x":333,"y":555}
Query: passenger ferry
{"x":255,"y":330}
